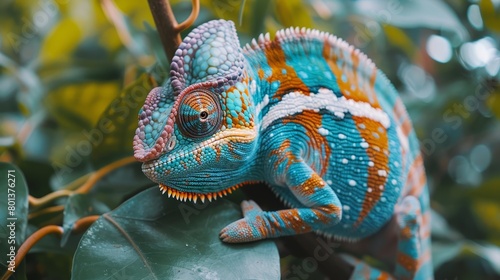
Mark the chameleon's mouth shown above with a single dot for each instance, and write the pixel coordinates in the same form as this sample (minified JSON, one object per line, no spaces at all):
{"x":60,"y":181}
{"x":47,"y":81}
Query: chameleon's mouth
{"x":192,"y":196}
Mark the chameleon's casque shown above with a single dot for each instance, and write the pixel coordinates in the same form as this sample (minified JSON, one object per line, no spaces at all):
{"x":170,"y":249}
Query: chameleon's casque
{"x":305,"y":113}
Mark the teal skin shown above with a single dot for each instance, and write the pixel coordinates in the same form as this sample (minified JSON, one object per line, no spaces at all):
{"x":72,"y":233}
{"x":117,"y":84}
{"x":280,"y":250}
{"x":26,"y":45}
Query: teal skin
{"x":336,"y":147}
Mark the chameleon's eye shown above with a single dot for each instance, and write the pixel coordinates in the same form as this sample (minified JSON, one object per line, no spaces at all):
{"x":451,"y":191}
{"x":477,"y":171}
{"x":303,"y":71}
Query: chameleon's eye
{"x":199,"y":114}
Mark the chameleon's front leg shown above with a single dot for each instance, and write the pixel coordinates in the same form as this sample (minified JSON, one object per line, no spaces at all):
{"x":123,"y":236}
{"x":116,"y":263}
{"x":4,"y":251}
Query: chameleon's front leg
{"x":321,"y":209}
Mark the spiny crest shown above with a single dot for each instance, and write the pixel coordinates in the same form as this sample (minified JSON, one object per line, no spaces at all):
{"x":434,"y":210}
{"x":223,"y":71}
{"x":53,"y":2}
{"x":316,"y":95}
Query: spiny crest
{"x":304,"y":37}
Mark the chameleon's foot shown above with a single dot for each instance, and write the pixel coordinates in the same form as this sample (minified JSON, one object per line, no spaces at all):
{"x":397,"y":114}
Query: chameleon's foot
{"x":250,"y":228}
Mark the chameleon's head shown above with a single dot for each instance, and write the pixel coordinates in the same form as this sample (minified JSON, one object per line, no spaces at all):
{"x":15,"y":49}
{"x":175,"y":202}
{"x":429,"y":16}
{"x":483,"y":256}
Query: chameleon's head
{"x":197,"y":133}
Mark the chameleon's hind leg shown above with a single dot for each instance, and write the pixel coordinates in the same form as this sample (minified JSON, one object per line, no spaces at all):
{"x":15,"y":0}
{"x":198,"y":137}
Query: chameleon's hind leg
{"x":320,"y":209}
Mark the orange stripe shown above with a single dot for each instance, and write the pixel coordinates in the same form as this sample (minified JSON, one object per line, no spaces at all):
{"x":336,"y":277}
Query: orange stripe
{"x":384,"y":276}
{"x":407,"y":262}
{"x":289,"y":81}
{"x":283,"y":153}
{"x":378,"y":154}
{"x":349,"y":86}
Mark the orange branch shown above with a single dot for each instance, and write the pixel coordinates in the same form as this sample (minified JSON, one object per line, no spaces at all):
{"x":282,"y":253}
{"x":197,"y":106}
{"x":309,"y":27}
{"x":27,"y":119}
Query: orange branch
{"x":96,"y":176}
{"x":80,"y":226}
{"x":30,"y":242}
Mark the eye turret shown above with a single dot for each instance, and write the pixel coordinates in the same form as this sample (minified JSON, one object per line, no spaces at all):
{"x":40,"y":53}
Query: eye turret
{"x":199,"y":114}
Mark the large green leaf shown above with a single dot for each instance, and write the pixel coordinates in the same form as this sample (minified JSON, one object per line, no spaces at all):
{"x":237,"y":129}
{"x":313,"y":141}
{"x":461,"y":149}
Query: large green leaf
{"x":13,"y":215}
{"x":152,"y":237}
{"x":79,"y":206}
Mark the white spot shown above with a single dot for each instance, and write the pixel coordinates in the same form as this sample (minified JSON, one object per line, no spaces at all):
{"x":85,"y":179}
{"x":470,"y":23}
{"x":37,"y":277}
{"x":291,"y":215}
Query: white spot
{"x":329,"y":182}
{"x":346,"y":207}
{"x":352,"y":183}
{"x":383,"y":199}
{"x":253,"y":86}
{"x":369,"y":190}
{"x":381,"y":187}
{"x":370,"y":163}
{"x":297,"y":102}
{"x":382,"y":173}
{"x":353,"y":157}
{"x":342,"y":136}
{"x":364,"y":145}
{"x":394,"y":182}
{"x":345,"y":161}
{"x":323,"y":131}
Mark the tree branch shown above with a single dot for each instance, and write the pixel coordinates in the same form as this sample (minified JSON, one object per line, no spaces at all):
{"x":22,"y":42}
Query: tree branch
{"x":167,"y":26}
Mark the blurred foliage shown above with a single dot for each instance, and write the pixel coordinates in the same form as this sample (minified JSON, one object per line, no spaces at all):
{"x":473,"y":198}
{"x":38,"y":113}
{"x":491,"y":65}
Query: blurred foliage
{"x":73,"y":75}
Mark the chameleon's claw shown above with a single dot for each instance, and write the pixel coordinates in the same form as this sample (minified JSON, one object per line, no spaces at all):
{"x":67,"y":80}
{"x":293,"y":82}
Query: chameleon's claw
{"x":246,"y":229}
{"x":240,"y":231}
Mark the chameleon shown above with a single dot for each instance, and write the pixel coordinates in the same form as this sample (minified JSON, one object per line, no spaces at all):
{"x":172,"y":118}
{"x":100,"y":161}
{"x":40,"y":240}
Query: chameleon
{"x":307,"y":114}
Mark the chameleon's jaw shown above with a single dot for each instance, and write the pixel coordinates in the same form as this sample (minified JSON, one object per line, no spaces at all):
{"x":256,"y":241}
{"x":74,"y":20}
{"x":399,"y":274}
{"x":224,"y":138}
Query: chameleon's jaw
{"x":192,"y":196}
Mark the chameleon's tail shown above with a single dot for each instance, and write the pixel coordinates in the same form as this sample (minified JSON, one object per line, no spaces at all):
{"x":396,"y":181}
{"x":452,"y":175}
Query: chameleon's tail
{"x":413,"y":259}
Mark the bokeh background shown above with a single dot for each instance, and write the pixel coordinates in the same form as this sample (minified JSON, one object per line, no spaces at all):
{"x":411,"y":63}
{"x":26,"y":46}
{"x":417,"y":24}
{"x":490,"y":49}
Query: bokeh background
{"x":66,"y":64}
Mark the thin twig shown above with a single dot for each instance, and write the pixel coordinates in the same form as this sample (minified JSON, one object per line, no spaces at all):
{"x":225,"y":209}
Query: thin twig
{"x":192,"y":17}
{"x":79,"y":226}
{"x":64,"y":191}
{"x":33,"y":201}
{"x":48,"y":210}
{"x":30,"y":242}
{"x":96,"y":176}
{"x":167,"y":26}
{"x":84,"y":223}
{"x":91,"y":180}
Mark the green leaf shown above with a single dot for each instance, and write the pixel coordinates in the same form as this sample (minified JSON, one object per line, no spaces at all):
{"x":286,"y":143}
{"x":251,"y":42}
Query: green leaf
{"x":301,"y":16}
{"x":491,"y":17}
{"x":79,"y":206}
{"x":113,"y":134}
{"x":13,"y":215}
{"x":152,"y":237}
{"x":78,"y":106}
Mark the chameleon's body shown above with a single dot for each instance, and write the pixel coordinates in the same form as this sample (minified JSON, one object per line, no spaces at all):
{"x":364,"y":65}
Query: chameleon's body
{"x":306,"y":113}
